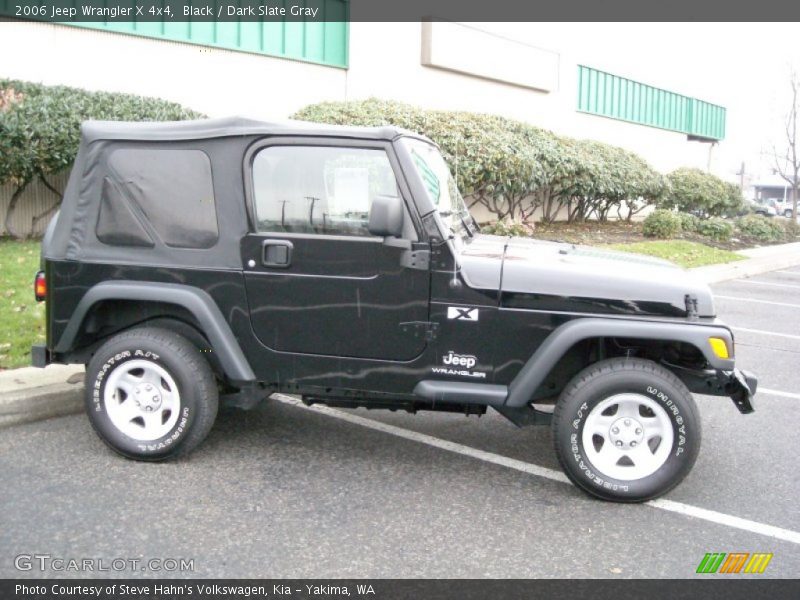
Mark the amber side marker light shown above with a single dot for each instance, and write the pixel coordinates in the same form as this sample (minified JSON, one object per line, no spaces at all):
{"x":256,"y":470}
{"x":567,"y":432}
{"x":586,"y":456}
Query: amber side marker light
{"x":719,"y":347}
{"x":40,"y":287}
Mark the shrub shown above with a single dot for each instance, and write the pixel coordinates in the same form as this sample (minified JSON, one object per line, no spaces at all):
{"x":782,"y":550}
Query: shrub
{"x":716,"y":229}
{"x":694,"y":190}
{"x":792,"y":229}
{"x":40,"y":126}
{"x":508,"y":227}
{"x":761,"y":228}
{"x":611,"y":178}
{"x":735,"y":204}
{"x":514,"y":168}
{"x":689,"y":222}
{"x":661,"y":224}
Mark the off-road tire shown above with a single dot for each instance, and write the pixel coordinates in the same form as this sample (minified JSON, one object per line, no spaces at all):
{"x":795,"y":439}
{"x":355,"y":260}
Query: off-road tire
{"x":624,"y":378}
{"x":164,"y":352}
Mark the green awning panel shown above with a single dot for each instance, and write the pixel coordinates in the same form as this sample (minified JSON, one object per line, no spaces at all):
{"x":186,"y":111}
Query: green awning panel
{"x":616,"y":97}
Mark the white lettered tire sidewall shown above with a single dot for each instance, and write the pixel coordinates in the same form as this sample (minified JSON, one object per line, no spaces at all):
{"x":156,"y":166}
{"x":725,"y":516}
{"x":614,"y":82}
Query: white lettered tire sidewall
{"x":186,"y":366}
{"x":617,"y":376}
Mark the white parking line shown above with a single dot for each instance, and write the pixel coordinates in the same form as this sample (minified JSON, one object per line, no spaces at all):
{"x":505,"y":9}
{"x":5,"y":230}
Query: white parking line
{"x":756,"y":301}
{"x":770,"y":392}
{"x":726,"y":519}
{"x":783,"y":285}
{"x":764,"y":332}
{"x":531,"y":469}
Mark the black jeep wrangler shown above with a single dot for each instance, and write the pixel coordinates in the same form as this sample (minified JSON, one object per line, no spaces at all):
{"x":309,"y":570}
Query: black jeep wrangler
{"x":221,"y":261}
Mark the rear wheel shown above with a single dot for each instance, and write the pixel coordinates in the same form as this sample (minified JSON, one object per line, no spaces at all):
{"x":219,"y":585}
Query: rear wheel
{"x":626,"y":430}
{"x":150,"y":394}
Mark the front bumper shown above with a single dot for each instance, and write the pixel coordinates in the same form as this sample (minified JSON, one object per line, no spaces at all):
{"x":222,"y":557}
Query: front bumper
{"x":741,"y":387}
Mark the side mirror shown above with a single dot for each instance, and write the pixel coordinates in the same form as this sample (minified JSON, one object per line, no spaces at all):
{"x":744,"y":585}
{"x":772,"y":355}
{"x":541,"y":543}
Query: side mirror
{"x":386,"y":216}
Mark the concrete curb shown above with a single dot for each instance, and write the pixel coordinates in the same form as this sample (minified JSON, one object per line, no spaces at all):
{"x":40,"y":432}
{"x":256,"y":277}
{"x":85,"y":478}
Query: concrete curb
{"x":32,"y":394}
{"x":761,"y":260}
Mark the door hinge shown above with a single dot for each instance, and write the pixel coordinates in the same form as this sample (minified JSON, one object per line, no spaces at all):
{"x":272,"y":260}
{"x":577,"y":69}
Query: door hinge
{"x":425,"y":329}
{"x":418,"y":257}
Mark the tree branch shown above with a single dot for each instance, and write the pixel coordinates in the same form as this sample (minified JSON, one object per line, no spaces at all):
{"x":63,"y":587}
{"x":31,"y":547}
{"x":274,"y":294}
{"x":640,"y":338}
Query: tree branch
{"x":12,"y":205}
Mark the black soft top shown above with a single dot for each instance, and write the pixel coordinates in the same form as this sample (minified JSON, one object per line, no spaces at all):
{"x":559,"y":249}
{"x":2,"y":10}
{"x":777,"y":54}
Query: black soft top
{"x":227,"y":127}
{"x":114,"y":176}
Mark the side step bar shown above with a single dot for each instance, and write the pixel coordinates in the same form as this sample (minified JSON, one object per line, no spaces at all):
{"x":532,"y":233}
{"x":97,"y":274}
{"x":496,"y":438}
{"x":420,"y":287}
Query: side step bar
{"x":460,"y":392}
{"x":482,"y":394}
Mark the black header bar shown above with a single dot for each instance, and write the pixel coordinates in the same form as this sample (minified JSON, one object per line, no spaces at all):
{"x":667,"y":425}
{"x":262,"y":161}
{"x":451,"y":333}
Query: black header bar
{"x":705,"y":587}
{"x":400,"y":10}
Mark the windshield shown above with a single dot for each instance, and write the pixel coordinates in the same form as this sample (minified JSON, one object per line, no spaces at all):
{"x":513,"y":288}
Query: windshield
{"x":441,"y":188}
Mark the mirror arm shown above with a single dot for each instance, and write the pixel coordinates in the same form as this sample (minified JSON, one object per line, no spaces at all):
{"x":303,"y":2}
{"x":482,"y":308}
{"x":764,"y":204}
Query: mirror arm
{"x":395,"y":242}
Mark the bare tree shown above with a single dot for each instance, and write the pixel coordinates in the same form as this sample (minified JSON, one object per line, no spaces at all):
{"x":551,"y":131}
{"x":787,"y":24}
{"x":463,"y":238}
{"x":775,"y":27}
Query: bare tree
{"x":787,"y":162}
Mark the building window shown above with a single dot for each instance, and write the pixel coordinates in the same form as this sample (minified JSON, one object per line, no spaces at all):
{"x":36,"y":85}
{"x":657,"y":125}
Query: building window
{"x":601,"y":93}
{"x":322,"y":42}
{"x":319,"y":189}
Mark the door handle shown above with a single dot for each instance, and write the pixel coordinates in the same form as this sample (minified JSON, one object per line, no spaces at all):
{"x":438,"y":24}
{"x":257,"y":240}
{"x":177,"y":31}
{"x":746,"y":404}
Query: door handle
{"x":276,"y":253}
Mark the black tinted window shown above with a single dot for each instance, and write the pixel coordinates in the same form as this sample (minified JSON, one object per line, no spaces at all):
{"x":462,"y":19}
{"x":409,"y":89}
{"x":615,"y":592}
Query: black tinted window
{"x":174,"y":191}
{"x":117,"y":223}
{"x":319,"y":189}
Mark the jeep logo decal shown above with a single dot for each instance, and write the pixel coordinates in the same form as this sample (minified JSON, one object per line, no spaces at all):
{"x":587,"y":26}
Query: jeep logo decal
{"x":466,"y":360}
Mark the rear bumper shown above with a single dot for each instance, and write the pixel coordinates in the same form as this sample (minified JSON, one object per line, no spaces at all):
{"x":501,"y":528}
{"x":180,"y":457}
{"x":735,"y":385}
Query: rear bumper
{"x":40,"y":356}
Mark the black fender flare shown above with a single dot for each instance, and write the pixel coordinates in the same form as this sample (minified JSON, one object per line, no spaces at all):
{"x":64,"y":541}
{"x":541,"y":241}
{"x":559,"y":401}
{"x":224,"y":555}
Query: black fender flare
{"x":539,"y":365}
{"x":198,"y":302}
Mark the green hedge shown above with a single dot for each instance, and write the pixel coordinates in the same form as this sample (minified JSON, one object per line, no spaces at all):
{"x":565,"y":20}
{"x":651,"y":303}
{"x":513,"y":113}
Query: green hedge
{"x":716,"y":229}
{"x":761,"y":228}
{"x":513,"y":168}
{"x":507,"y":227}
{"x":40,"y":126}
{"x":661,"y":223}
{"x":699,"y":192}
{"x":689,"y":222}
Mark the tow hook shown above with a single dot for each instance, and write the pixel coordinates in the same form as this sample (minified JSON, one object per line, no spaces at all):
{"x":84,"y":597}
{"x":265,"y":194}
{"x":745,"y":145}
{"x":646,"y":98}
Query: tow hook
{"x":741,"y":387}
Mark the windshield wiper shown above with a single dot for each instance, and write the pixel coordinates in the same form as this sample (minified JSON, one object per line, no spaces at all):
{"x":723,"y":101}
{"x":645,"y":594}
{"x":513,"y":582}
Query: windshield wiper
{"x":449,"y":213}
{"x":464,"y":223}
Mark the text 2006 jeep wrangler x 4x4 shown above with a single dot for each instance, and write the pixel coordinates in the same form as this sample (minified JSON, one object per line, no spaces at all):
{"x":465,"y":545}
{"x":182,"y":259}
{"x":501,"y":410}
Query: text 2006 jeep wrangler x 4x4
{"x":223,"y":260}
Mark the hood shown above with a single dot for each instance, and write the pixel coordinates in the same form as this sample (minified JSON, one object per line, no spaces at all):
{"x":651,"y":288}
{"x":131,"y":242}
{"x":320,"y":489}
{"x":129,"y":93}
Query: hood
{"x":554,"y":276}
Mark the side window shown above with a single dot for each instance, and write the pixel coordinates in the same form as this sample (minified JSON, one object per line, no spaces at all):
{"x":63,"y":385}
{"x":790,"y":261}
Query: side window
{"x":319,"y":189}
{"x":173,"y":190}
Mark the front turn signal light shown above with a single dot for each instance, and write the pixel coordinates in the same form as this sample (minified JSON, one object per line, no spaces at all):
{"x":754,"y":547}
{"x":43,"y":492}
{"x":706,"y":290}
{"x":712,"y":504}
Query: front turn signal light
{"x":719,"y":347}
{"x":40,"y":287}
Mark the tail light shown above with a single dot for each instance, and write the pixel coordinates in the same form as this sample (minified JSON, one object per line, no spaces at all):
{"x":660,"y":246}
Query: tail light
{"x":40,"y":287}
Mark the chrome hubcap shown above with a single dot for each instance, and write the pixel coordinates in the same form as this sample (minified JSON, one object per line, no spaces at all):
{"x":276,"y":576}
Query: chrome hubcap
{"x":628,"y":436}
{"x":142,"y":400}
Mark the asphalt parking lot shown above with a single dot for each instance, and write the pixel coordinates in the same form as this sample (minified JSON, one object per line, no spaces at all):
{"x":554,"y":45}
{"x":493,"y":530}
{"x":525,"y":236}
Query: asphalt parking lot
{"x":286,"y":491}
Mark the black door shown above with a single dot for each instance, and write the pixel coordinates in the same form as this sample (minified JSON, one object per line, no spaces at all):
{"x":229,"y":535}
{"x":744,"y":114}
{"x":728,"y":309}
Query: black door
{"x":317,"y":281}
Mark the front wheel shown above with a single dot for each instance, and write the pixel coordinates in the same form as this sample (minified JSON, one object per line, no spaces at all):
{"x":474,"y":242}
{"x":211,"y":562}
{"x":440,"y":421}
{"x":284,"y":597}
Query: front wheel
{"x":150,"y":394}
{"x":626,"y":430}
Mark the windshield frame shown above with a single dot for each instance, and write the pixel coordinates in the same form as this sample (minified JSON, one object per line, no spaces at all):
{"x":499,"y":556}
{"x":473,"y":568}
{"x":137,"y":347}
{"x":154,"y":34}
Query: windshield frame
{"x":454,"y":220}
